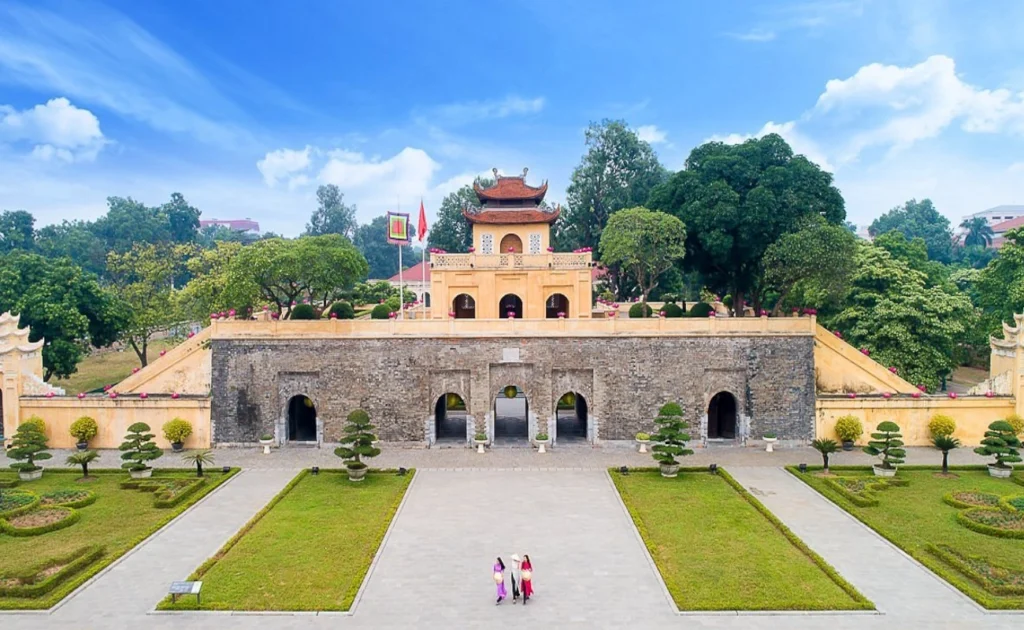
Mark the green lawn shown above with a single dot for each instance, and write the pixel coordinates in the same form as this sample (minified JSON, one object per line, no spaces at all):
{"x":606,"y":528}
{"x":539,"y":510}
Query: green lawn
{"x":308,"y":549}
{"x":915,"y":517}
{"x":117,"y":521}
{"x":107,"y":367}
{"x":718,"y":548}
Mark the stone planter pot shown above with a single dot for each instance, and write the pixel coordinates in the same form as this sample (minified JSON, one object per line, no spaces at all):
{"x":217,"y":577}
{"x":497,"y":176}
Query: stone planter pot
{"x":643,"y":445}
{"x":770,"y":444}
{"x":847,"y":445}
{"x":480,"y":444}
{"x":146,"y":473}
{"x":883,"y":472}
{"x":266,"y":444}
{"x":1001,"y":473}
{"x":356,"y":474}
{"x":177,"y":447}
{"x":30,"y":475}
{"x":669,"y":470}
{"x":541,"y":444}
{"x":82,"y":446}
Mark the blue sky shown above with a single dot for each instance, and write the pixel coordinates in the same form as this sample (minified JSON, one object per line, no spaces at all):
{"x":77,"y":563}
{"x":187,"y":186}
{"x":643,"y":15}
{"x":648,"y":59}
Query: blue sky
{"x":245,"y":107}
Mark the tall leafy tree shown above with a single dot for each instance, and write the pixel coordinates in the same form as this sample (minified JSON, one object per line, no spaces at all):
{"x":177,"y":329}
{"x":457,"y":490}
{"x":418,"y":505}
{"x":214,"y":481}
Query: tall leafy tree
{"x":129,"y":222}
{"x":644,"y":244}
{"x":17,"y":231}
{"x":382,"y":257}
{"x":182,"y":219}
{"x":977,"y":232}
{"x":815,"y":261}
{"x":74,"y":240}
{"x":736,"y":200}
{"x":209,"y":288}
{"x":332,"y":215}
{"x":914,"y":252}
{"x":62,"y":304}
{"x":619,"y":170}
{"x":919,"y":219}
{"x":452,"y":232}
{"x":333,"y":265}
{"x":1000,"y":285}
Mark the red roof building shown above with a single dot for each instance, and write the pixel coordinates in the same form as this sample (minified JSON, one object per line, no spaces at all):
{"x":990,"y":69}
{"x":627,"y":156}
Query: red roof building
{"x":999,"y":230}
{"x":510,"y":200}
{"x":417,"y":273}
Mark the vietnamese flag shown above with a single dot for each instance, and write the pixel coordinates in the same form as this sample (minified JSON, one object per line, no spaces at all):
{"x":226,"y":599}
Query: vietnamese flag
{"x":421,"y":227}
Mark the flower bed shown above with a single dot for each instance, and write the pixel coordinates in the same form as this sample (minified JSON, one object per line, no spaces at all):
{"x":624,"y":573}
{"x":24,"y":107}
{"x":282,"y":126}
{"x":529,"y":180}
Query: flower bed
{"x":67,"y":498}
{"x":1012,"y":504}
{"x":860,"y":490}
{"x":39,"y":521}
{"x":14,"y":503}
{"x":43,"y":578}
{"x":993,"y":578}
{"x":993,"y":522}
{"x":167,"y":492}
{"x":963,"y":499}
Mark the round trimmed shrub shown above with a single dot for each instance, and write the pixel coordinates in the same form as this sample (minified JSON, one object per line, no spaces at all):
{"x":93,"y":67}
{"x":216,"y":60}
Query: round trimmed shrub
{"x":672,"y":310}
{"x":607,"y":296}
{"x":37,"y":422}
{"x":941,"y":425}
{"x":700,"y":309}
{"x":381,"y":311}
{"x":302,"y":311}
{"x":1016,"y":422}
{"x":640,"y":309}
{"x":727,"y":300}
{"x":670,"y":409}
{"x":848,"y":428}
{"x":177,"y":430}
{"x":84,"y":429}
{"x":393,"y":303}
{"x":342,"y":310}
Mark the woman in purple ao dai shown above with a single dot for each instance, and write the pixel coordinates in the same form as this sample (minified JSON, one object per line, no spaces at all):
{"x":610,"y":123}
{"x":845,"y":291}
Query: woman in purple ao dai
{"x":499,"y":580}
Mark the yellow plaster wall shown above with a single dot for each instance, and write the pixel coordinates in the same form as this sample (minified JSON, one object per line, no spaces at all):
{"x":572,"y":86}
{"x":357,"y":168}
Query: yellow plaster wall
{"x":972,"y":415}
{"x":999,"y":364}
{"x":533,"y":285}
{"x":185,"y":369}
{"x":114,"y":416}
{"x":839,"y":367}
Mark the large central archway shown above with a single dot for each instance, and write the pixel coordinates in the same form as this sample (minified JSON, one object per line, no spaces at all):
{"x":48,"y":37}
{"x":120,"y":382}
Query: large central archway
{"x":511,"y":416}
{"x":510,"y":303}
{"x":722,"y":417}
{"x":571,"y":418}
{"x":450,"y":419}
{"x":301,"y":419}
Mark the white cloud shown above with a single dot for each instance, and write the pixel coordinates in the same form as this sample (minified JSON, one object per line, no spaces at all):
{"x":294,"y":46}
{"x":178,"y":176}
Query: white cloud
{"x":800,"y":143}
{"x":285,"y":164}
{"x":482,"y":110}
{"x":57,"y":129}
{"x":650,"y":134}
{"x":382,"y":184}
{"x":758,"y":35}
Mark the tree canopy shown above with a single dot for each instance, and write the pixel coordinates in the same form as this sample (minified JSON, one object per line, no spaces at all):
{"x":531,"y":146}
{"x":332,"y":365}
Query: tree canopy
{"x":381,"y":256}
{"x":644,"y":244}
{"x":452,"y":232}
{"x":977,"y":232}
{"x":919,"y":219}
{"x":332,"y":215}
{"x":815,"y":261}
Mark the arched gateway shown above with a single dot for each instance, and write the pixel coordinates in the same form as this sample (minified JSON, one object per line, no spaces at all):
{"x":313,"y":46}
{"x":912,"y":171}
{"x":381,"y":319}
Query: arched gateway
{"x":301,"y":419}
{"x":722,"y":417}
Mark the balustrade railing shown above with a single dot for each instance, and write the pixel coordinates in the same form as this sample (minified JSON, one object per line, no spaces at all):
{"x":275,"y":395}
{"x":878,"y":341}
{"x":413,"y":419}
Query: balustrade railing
{"x":498,"y":261}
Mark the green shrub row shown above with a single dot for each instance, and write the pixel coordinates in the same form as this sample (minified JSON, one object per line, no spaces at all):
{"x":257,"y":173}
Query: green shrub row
{"x":950,"y":500}
{"x":9,"y":483}
{"x":88,"y":499}
{"x":73,"y":563}
{"x":865,"y":498}
{"x":69,"y":520}
{"x":959,"y":562}
{"x":22,"y":509}
{"x":171,"y":497}
{"x":1013,"y":503}
{"x":963,"y":517}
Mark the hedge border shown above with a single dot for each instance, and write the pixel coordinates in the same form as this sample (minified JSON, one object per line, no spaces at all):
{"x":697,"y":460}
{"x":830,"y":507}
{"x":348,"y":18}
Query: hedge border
{"x":952,"y":501}
{"x":982,"y":528}
{"x":67,"y":521}
{"x":161,"y":501}
{"x":1004,"y":502}
{"x":28,"y":507}
{"x":859,"y":601}
{"x":205,"y":567}
{"x":89,"y":499}
{"x":83,"y":576}
{"x":953,"y":559}
{"x":942,"y":570}
{"x":9,"y":483}
{"x":76,"y":562}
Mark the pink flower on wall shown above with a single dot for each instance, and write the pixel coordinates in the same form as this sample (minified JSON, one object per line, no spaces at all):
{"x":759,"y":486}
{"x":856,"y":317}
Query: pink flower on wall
{"x":451,"y":314}
{"x":865,"y":352}
{"x":143,"y":395}
{"x":175,"y":395}
{"x":81,"y":395}
{"x":113,"y":394}
{"x":886,"y":395}
{"x":952,"y":395}
{"x":916,"y":395}
{"x":989,"y":394}
{"x":851,"y":395}
{"x":561,"y":315}
{"x":893,"y":369}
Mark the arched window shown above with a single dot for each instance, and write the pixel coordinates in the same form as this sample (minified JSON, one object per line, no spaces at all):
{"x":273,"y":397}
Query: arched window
{"x":426,"y":300}
{"x":464,"y":306}
{"x":510,"y":305}
{"x":722,"y":417}
{"x":556,"y":304}
{"x":511,"y":242}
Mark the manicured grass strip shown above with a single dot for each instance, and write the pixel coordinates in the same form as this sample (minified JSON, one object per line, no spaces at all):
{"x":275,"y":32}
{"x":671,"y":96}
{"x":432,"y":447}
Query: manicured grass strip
{"x":115,"y":522}
{"x":917,"y":519}
{"x":719,"y":548}
{"x":307,"y":550}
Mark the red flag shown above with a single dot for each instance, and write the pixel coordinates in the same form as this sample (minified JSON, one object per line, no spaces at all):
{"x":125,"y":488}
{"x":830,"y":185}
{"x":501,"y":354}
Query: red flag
{"x":421,"y":229}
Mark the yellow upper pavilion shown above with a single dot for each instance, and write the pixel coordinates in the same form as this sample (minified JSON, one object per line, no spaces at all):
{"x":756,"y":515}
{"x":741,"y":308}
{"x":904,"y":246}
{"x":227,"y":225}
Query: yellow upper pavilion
{"x":512,"y":269}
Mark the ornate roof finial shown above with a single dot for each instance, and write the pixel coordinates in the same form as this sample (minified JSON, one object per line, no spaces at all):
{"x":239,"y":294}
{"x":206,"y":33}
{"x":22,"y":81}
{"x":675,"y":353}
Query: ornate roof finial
{"x":495,"y":171}
{"x":525,"y":169}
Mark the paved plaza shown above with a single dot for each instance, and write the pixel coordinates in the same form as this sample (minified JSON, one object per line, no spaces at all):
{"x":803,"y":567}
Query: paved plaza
{"x":591,"y":569}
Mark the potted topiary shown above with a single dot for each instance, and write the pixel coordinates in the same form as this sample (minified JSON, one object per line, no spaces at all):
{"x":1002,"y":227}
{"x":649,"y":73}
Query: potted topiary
{"x":28,"y":446}
{"x":175,"y":432}
{"x":670,"y":439}
{"x":480,"y":439}
{"x":266,"y":441}
{"x":137,"y":449}
{"x":848,"y":430}
{"x":770,"y":439}
{"x":1000,"y":442}
{"x":887,"y":443}
{"x":83,"y":430}
{"x":643,"y":439}
{"x":358,"y":439}
{"x":941,"y":425}
{"x":826,"y":447}
{"x":542,"y":440}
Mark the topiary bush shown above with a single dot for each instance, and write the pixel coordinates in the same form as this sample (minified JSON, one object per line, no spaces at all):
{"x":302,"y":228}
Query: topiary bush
{"x":1017,"y":422}
{"x":342,"y":310}
{"x":886,"y":442}
{"x":84,"y":429}
{"x":848,"y":428}
{"x":607,"y":296}
{"x":27,"y":447}
{"x":393,"y":303}
{"x":673,"y":310}
{"x":640,"y":309}
{"x":941,"y":425}
{"x":138,"y":448}
{"x":700,"y":309}
{"x":1000,"y":442}
{"x":177,"y":430}
{"x":381,"y":311}
{"x":37,"y":422}
{"x":671,"y":437}
{"x":358,"y":441}
{"x":302,"y":311}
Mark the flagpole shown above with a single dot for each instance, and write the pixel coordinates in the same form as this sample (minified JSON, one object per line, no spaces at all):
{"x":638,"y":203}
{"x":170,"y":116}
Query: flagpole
{"x":423,"y":269}
{"x":401,"y":289}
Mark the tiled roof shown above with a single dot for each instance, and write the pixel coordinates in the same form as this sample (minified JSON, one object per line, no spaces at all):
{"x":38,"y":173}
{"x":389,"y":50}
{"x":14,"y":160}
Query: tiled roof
{"x":417,"y":273}
{"x":1006,"y":226}
{"x":510,"y":188}
{"x":504,"y":217}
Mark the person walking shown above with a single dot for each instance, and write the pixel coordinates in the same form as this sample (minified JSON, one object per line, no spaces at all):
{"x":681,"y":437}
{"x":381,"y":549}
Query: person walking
{"x":526,"y":577}
{"x":499,"y":580}
{"x":515,"y":572}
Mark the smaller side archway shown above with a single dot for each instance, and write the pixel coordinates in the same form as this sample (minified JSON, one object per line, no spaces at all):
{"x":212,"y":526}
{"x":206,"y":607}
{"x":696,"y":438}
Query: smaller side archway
{"x":464,"y":306}
{"x":426,"y":300}
{"x":511,"y":244}
{"x":301,"y":419}
{"x":511,"y":415}
{"x":722,"y":416}
{"x":510,"y":304}
{"x":556,"y":303}
{"x":571,"y":421}
{"x":450,"y":416}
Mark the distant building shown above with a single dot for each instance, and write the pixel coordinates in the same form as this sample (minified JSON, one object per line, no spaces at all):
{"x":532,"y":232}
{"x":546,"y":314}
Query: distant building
{"x":246,"y":226}
{"x":998,"y":214}
{"x":1000,"y":229}
{"x":417,"y":280}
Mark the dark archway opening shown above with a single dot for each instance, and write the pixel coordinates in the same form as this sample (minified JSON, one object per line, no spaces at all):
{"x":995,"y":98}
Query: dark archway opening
{"x":722,"y":417}
{"x":571,"y":418}
{"x":556,"y":304}
{"x":301,"y":419}
{"x":511,"y":416}
{"x":510,"y":305}
{"x":464,"y":306}
{"x":450,"y":419}
{"x":511,"y":244}
{"x":426,"y":300}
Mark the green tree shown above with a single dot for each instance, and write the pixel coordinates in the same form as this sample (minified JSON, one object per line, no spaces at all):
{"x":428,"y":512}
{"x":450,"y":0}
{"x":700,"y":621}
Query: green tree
{"x":914,"y":252}
{"x":209,"y":289}
{"x":74,"y":240}
{"x":208,"y":236}
{"x":887,"y":442}
{"x":452,"y":232}
{"x":736,"y":200}
{"x":28,"y":446}
{"x":826,"y":447}
{"x":977,"y":232}
{"x":945,"y":444}
{"x":138,"y":448}
{"x":818,"y":258}
{"x":1000,"y":285}
{"x":17,"y":231}
{"x":618,"y":171}
{"x":331,"y":216}
{"x":144,"y":278}
{"x":358,"y":440}
{"x":644,"y":243}
{"x":182,"y":219}
{"x":671,"y":437}
{"x":129,"y":222}
{"x":82,"y":459}
{"x":61,"y":303}
{"x":381,"y":256}
{"x":1000,"y":441}
{"x":919,"y":219}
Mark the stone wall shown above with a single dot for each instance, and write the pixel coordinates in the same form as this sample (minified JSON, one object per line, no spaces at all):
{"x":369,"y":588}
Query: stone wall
{"x":623,"y":379}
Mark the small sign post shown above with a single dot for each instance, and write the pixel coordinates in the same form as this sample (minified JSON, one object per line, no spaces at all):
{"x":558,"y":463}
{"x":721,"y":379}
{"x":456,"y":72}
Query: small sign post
{"x":186,"y":588}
